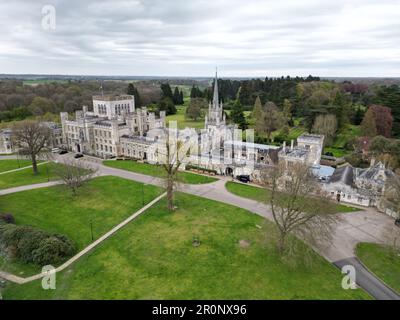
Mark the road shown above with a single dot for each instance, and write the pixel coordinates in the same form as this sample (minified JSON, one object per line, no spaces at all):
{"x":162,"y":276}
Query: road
{"x":368,"y":281}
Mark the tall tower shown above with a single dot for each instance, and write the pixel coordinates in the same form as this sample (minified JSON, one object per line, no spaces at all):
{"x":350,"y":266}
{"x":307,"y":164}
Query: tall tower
{"x":215,"y":111}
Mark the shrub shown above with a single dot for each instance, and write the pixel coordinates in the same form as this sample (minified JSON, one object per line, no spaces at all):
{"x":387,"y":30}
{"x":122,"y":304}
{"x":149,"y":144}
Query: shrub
{"x":7,"y":218}
{"x":31,"y":245}
{"x":53,"y":250}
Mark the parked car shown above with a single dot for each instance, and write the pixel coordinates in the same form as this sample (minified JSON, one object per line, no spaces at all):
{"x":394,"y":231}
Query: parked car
{"x":397,"y":222}
{"x":63,"y":152}
{"x":78,"y":155}
{"x":243,"y":178}
{"x":55,"y":150}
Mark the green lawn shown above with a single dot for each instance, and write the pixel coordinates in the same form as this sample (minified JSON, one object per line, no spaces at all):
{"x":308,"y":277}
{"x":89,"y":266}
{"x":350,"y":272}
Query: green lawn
{"x":157,"y":171}
{"x":106,"y":201}
{"x":182,"y":122}
{"x":11,"y":164}
{"x":381,"y":261}
{"x":337,"y":152}
{"x":46,"y":172}
{"x":153,"y":258}
{"x":259,"y":194}
{"x":345,"y":134}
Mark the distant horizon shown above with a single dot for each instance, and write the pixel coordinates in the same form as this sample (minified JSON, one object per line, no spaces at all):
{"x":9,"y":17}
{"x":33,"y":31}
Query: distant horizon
{"x":2,"y":75}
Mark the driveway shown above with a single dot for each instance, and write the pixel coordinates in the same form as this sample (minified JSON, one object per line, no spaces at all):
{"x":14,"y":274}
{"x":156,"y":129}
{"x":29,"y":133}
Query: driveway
{"x":354,"y":227}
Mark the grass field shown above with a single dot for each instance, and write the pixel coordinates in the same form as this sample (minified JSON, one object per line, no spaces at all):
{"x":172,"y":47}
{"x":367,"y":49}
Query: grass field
{"x":259,"y":194}
{"x":381,"y":261}
{"x":11,"y":164}
{"x":153,"y":258}
{"x":337,"y":152}
{"x":46,"y":172}
{"x":182,"y":122}
{"x":347,"y":133}
{"x":42,"y":81}
{"x":104,"y":201}
{"x":157,"y":171}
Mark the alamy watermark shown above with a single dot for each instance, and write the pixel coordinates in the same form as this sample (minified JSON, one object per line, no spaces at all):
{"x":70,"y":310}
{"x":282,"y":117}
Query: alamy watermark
{"x":49,"y":278}
{"x":48,"y":17}
{"x":349,"y":280}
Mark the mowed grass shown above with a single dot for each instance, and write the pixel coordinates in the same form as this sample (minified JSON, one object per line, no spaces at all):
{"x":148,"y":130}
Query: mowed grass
{"x":104,"y":201}
{"x":260,"y":194}
{"x":184,"y":122}
{"x":382,"y":261}
{"x":157,"y":171}
{"x":46,"y":172}
{"x":11,"y":164}
{"x":153,"y":258}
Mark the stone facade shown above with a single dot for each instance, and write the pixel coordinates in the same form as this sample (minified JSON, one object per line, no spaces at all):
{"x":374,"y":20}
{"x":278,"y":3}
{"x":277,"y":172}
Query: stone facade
{"x":364,"y":187}
{"x":56,"y":138}
{"x":5,"y":142}
{"x":105,"y":132}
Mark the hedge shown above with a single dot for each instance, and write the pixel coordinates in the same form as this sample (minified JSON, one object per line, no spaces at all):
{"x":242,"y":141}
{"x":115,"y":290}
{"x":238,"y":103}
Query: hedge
{"x":191,"y":167}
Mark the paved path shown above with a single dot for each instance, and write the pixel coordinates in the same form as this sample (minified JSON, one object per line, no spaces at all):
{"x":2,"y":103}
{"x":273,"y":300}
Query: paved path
{"x":29,"y":187}
{"x":19,"y":280}
{"x":23,"y":168}
{"x":368,"y":281}
{"x":352,"y":228}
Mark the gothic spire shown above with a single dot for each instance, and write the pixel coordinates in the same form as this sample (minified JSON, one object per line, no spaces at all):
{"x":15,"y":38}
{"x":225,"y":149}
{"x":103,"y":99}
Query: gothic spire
{"x":216,"y":98}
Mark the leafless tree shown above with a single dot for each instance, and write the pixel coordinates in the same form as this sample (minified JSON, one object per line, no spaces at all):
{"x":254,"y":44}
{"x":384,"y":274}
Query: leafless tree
{"x":30,"y":137}
{"x":298,"y":205}
{"x":270,"y":119}
{"x":326,"y":124}
{"x":74,"y":173}
{"x":172,"y":158}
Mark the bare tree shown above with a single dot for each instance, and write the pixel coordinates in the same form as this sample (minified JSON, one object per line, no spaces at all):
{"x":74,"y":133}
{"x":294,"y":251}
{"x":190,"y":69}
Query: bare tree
{"x":74,"y":173}
{"x":173,"y":157}
{"x":30,"y":137}
{"x":270,"y":120}
{"x":297,"y":204}
{"x":326,"y":124}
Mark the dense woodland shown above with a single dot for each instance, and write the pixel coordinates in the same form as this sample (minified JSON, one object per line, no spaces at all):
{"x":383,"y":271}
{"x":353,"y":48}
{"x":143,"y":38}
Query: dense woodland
{"x":344,"y":112}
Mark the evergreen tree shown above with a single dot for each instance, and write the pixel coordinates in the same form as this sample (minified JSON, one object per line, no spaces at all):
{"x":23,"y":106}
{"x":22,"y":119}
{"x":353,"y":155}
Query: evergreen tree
{"x":389,"y":96}
{"x":181,"y":100}
{"x":134,"y":92}
{"x":195,"y":92}
{"x":166,"y":91}
{"x":358,"y":115}
{"x":166,"y":104}
{"x":237,"y":115}
{"x":176,"y":98}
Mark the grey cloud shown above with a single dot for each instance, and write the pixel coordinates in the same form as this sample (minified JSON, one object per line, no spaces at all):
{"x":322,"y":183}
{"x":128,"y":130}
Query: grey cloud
{"x":180,"y":37}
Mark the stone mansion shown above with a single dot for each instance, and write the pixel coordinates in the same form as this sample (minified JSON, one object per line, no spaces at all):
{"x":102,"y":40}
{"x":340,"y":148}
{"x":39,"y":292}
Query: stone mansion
{"x":116,"y":128}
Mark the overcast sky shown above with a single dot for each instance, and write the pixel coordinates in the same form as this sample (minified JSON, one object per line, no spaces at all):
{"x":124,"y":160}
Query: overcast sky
{"x":192,"y":37}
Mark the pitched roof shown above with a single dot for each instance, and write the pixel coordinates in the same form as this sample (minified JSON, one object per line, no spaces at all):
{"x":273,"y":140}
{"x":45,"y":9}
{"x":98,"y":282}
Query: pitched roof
{"x":370,"y":172}
{"x":343,"y":174}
